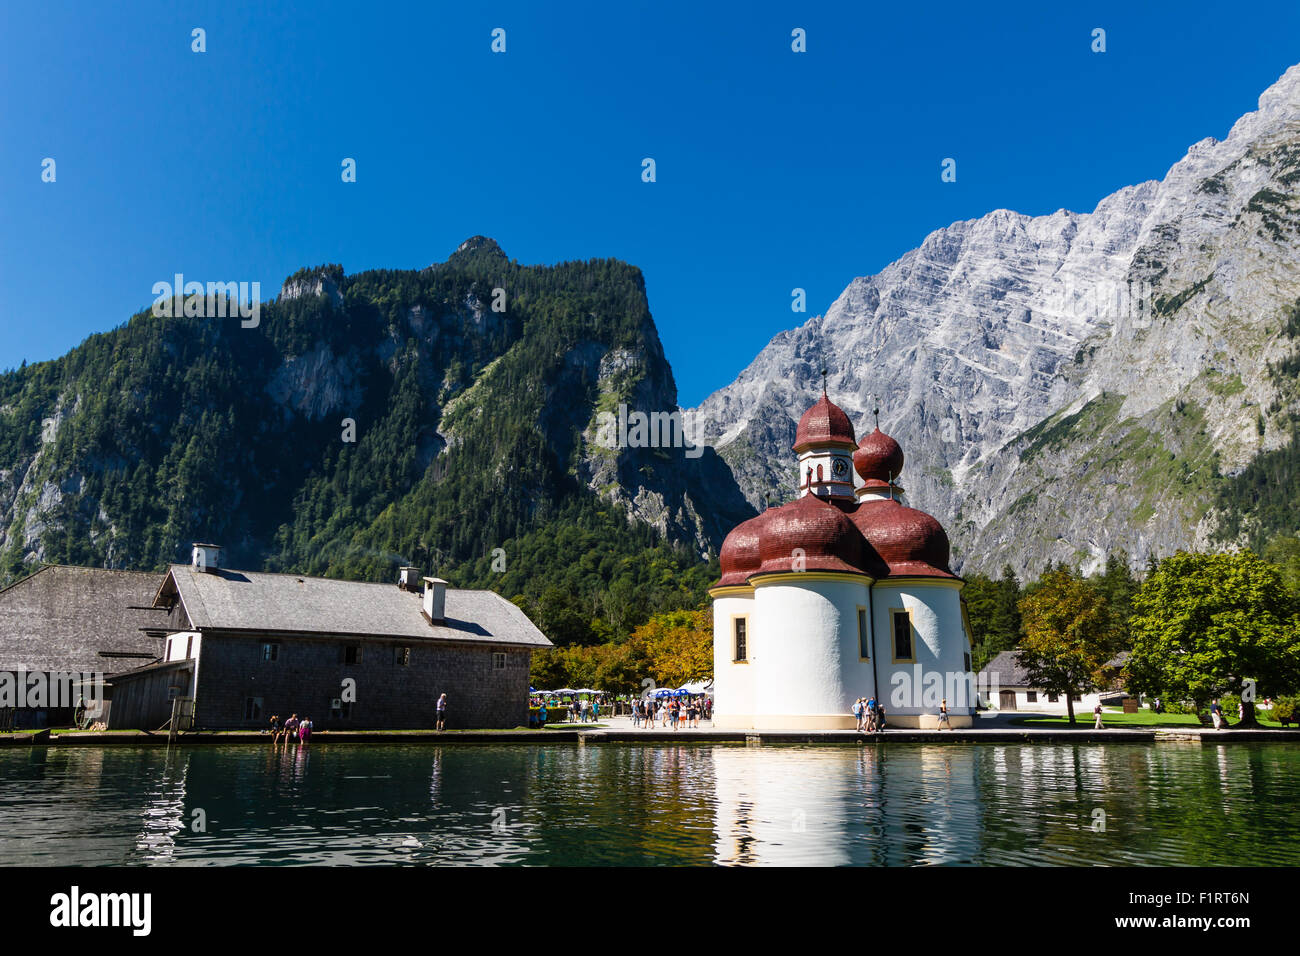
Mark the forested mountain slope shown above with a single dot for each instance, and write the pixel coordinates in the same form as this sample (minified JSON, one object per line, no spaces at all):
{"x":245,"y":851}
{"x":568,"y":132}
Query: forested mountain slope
{"x":475,"y":429}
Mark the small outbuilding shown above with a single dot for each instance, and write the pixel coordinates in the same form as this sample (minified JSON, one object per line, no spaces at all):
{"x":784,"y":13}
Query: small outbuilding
{"x":1004,"y":685}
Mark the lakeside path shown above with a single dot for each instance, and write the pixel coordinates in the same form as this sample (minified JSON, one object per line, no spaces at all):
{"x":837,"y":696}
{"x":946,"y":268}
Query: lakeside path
{"x":989,"y":728}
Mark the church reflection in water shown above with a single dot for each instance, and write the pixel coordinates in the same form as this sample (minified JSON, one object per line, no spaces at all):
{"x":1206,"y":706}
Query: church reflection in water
{"x":841,"y":806}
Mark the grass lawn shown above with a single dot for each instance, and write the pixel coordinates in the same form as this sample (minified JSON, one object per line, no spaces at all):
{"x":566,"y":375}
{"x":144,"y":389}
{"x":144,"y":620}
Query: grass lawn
{"x":259,"y":733}
{"x":424,"y":730}
{"x":462,"y":730}
{"x":74,"y":730}
{"x":61,"y":731}
{"x":1143,"y":718}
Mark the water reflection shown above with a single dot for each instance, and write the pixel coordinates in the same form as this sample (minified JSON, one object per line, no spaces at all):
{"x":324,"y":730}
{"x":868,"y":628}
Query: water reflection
{"x":870,"y":804}
{"x":164,"y":810}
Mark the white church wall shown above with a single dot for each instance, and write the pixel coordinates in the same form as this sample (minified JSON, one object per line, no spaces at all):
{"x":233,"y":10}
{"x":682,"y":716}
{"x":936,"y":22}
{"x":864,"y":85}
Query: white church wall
{"x":914,"y":688}
{"x":733,"y":682}
{"x":807,"y":671}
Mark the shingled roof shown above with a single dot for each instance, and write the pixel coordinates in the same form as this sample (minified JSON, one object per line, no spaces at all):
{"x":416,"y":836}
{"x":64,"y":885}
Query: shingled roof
{"x":79,"y":619}
{"x":294,"y":604}
{"x":1005,"y":671}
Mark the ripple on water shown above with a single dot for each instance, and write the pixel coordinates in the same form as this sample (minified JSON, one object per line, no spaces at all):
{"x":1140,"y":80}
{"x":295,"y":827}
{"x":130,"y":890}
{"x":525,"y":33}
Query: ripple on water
{"x":870,"y":804}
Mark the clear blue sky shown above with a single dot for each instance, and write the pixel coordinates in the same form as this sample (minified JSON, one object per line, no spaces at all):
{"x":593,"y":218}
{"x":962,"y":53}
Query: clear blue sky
{"x":775,"y":169}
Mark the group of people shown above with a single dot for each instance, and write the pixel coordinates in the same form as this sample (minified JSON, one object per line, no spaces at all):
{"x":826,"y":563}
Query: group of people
{"x":870,"y":715}
{"x":671,"y":712}
{"x":585,"y":710}
{"x":291,"y":729}
{"x":578,"y":710}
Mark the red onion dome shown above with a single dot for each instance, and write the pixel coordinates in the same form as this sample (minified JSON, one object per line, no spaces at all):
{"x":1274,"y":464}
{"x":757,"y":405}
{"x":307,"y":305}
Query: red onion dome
{"x":824,"y":424}
{"x":739,"y":553}
{"x":827,"y":538}
{"x":910,"y":542}
{"x":879,"y":458}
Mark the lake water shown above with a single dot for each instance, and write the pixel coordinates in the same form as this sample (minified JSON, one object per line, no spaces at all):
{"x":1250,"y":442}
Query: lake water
{"x":702,"y":803}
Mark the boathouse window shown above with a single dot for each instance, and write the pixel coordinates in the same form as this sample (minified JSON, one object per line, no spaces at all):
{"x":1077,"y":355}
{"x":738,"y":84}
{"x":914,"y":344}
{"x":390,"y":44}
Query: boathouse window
{"x":902,"y":628}
{"x":404,"y":657}
{"x":1031,"y":697}
{"x":189,"y":647}
{"x":252,"y":708}
{"x":1053,"y":698}
{"x":741,"y":626}
{"x":498,"y":661}
{"x":351,"y":654}
{"x":270,"y":652}
{"x":864,"y":644}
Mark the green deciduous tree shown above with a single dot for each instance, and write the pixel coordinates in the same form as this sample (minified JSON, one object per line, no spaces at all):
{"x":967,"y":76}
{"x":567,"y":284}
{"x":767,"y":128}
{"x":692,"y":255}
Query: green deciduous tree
{"x":1205,"y":625}
{"x":1070,"y":634}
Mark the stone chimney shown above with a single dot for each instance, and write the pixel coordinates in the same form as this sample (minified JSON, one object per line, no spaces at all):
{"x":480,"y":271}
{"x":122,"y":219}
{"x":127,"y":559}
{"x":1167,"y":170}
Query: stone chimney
{"x":408,"y":579}
{"x":435,"y":599}
{"x":206,"y":557}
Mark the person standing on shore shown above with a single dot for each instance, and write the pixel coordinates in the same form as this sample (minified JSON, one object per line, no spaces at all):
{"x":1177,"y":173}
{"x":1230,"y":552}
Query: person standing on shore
{"x":291,"y":728}
{"x":1097,"y":712}
{"x":1216,"y":713}
{"x":857,"y":714}
{"x":442,"y":712}
{"x":943,"y":715}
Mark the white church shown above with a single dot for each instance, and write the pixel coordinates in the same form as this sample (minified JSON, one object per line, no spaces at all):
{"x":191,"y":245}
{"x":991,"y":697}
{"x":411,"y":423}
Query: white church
{"x":844,"y":592}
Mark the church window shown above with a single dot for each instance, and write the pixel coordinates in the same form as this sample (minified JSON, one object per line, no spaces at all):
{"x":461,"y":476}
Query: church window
{"x":741,"y":627}
{"x":864,"y":642}
{"x":902,"y":627}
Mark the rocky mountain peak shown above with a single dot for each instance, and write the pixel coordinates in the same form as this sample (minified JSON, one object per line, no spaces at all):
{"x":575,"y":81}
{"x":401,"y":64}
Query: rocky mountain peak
{"x":323,"y":280}
{"x":1065,"y":384}
{"x":476,"y":246}
{"x":1284,"y":95}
